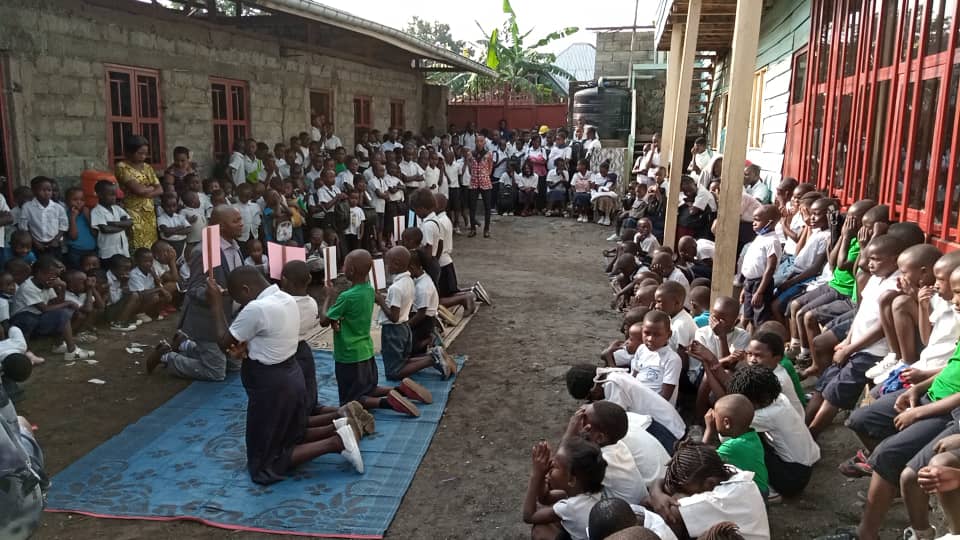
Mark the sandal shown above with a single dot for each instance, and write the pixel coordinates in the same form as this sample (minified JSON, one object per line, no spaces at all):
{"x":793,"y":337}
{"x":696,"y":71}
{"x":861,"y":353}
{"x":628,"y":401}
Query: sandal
{"x":851,"y":468}
{"x":862,"y":455}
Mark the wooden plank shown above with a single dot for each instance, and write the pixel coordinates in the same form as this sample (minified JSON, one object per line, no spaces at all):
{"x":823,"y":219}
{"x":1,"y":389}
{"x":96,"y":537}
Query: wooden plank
{"x":673,"y":80}
{"x":746,"y":36}
{"x":681,"y":109}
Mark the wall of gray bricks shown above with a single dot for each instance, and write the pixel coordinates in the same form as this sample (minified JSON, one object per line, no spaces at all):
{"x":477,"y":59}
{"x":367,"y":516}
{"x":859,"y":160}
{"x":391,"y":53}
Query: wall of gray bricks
{"x":56,"y":95}
{"x":613,"y":52}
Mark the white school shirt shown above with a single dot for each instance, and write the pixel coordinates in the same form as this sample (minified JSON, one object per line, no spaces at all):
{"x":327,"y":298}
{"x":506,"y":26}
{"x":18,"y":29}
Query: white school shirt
{"x":738,"y":339}
{"x":159,"y":268}
{"x":315,"y":134}
{"x":311,"y":175}
{"x":648,"y":454}
{"x":283,"y":168}
{"x":356,"y":219}
{"x":368,"y":175}
{"x":344,"y":178}
{"x":557,"y":152}
{"x":653,"y":521}
{"x":737,"y":500}
{"x":868,"y":312}
{"x":269,"y":325}
{"x":362,"y":155}
{"x":784,"y":429}
{"x":140,"y":281}
{"x":332,"y":143}
{"x":684,"y":330}
{"x":393,"y":181}
{"x":390,"y":146}
{"x":326,"y":194}
{"x":43,"y":222}
{"x":379,"y":184}
{"x":591,"y":147}
{"x":5,"y":208}
{"x":756,"y":255}
{"x":15,"y":343}
{"x":248,"y":261}
{"x":622,"y":357}
{"x":574,"y":513}
{"x":431,"y":177}
{"x":621,"y":388}
{"x":432,"y":233}
{"x":425,"y":295}
{"x":796,"y":225}
{"x":28,"y":295}
{"x":464,"y":174}
{"x":175,"y":221}
{"x":205,"y":204}
{"x":702,"y":200}
{"x":759,"y":191}
{"x":78,"y":299}
{"x":446,"y":233}
{"x":622,"y":478}
{"x":787,"y":389}
{"x":502,"y":157}
{"x":528,"y":181}
{"x":252,"y":216}
{"x":817,"y":244}
{"x":309,"y":313}
{"x":409,"y":169}
{"x":648,"y":244}
{"x":400,"y":293}
{"x":196,"y":228}
{"x":241,"y":165}
{"x":657,"y":368}
{"x":943,"y":335}
{"x":114,"y":287}
{"x":110,"y":244}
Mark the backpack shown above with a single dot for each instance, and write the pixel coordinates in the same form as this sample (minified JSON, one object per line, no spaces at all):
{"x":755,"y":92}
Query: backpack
{"x":341,"y":215}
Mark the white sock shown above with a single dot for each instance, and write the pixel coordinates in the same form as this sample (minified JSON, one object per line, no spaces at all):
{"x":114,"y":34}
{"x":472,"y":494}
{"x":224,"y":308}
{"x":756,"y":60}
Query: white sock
{"x":804,"y":351}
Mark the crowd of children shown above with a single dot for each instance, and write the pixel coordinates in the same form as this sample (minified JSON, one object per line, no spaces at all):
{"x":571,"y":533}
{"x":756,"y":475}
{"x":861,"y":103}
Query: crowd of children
{"x":836,"y":311}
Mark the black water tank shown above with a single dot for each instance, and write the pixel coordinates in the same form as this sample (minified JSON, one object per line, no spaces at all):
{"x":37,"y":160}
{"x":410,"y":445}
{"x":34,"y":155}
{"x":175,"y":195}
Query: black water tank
{"x":606,"y":108}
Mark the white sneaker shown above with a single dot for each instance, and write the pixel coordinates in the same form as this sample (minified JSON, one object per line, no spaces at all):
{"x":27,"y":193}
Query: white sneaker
{"x":123,"y":326}
{"x":144,"y":318}
{"x":612,"y":238}
{"x":881,"y":370}
{"x":911,"y":534}
{"x":77,"y":354}
{"x":60,"y":349}
{"x":351,"y":450}
{"x":339,"y":422}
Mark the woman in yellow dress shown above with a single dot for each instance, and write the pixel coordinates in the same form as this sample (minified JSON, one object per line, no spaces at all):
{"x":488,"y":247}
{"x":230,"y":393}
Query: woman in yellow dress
{"x":140,"y":186}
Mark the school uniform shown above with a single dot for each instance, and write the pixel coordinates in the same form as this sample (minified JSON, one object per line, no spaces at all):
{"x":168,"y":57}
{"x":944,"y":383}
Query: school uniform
{"x":252,"y":218}
{"x":647,"y":245}
{"x":684,"y":331}
{"x":841,"y":385}
{"x":431,"y":178}
{"x":737,"y":340}
{"x":657,"y":368}
{"x":786,"y":385}
{"x":43,"y":222}
{"x":263,"y":265}
{"x":758,"y":191}
{"x":425,"y":296}
{"x":944,"y":334}
{"x":354,"y":365}
{"x":352,"y":232}
{"x":581,"y":186}
{"x":789,"y":450}
{"x":574,"y":513}
{"x":30,"y":320}
{"x":410,"y":169}
{"x":276,"y":396}
{"x":113,"y":243}
{"x":817,"y":244}
{"x":174,"y":221}
{"x":309,"y":312}
{"x":140,"y":280}
{"x":396,"y":337}
{"x":621,"y":478}
{"x":745,"y":452}
{"x":752,"y":269}
{"x":653,"y":521}
{"x":625,"y":390}
{"x":345,"y":178}
{"x":649,"y":455}
{"x":451,"y":187}
{"x":196,"y":228}
{"x":556,"y":184}
{"x":737,"y":500}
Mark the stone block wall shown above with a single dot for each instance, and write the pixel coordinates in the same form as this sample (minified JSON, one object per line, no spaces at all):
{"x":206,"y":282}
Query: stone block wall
{"x":56,"y":91}
{"x":613,"y":52}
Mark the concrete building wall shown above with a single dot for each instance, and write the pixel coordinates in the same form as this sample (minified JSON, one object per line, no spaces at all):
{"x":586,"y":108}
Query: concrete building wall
{"x":55,"y":81}
{"x":613,"y":52}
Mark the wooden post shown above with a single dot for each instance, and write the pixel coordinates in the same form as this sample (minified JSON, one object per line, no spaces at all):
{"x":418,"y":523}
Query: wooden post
{"x":746,"y":34}
{"x":680,"y":113}
{"x":673,"y":80}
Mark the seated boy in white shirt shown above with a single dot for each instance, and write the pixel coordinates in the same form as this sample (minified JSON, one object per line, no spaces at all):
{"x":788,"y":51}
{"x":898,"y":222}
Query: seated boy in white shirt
{"x":620,"y":352}
{"x":153,"y":297}
{"x":82,"y":291}
{"x":716,"y":342}
{"x":663,"y":265}
{"x":122,"y":304}
{"x":655,"y":364}
{"x":605,"y":424}
{"x":670,"y":298}
{"x":172,"y":224}
{"x":759,"y":262}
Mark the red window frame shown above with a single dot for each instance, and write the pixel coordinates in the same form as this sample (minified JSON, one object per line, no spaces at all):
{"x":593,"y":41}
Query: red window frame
{"x":362,"y":115}
{"x":894,"y":144}
{"x":230,"y":100}
{"x":134,"y":107}
{"x":6,"y":160}
{"x":397,"y":114}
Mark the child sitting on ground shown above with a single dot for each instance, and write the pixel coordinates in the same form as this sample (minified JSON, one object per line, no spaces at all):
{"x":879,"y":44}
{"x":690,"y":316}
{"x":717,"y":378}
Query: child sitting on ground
{"x":172,"y":224}
{"x":662,"y":264}
{"x":760,"y":260}
{"x":655,"y":364}
{"x":38,"y":308}
{"x":789,"y":450}
{"x":565,"y":485}
{"x":605,"y":424}
{"x":256,"y":256}
{"x":166,"y":269}
{"x":620,"y":352}
{"x":82,"y":291}
{"x":699,"y":305}
{"x":730,"y":419}
{"x":840,"y":385}
{"x":557,"y":183}
{"x":647,"y":243}
{"x":195,"y":217}
{"x":616,"y":519}
{"x":153,"y":297}
{"x":719,"y":343}
{"x":669,"y":299}
{"x":581,"y":191}
{"x":123,"y":304}
{"x":110,"y":222}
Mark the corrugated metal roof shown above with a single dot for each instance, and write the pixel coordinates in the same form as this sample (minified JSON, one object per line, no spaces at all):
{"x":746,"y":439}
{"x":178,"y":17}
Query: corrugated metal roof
{"x":578,"y":60}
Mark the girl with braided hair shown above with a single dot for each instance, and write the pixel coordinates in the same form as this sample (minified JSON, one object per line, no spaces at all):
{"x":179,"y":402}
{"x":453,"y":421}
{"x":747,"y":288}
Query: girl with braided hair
{"x":566,"y":486}
{"x":699,"y":490}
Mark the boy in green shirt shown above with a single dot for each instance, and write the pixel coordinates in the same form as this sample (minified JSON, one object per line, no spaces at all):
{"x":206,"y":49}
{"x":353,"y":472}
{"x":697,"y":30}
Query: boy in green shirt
{"x":731,"y":417}
{"x":355,"y":368}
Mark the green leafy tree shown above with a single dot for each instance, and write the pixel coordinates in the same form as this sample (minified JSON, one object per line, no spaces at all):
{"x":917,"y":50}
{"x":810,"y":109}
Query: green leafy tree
{"x":438,"y":34}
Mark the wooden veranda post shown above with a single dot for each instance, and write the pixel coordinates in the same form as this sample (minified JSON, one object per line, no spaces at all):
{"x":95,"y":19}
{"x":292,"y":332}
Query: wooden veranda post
{"x":673,"y":80}
{"x":681,"y":110}
{"x":746,"y":34}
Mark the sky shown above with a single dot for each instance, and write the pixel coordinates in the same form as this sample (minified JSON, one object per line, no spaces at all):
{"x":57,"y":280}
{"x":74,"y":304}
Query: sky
{"x":543,"y":16}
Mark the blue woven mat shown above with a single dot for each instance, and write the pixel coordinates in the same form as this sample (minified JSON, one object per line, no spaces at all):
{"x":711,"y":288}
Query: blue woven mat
{"x":186,"y":460}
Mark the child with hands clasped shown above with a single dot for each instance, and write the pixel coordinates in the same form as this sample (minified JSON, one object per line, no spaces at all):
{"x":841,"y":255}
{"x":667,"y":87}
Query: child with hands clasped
{"x":740,"y":445}
{"x":655,"y":364}
{"x":566,"y":485}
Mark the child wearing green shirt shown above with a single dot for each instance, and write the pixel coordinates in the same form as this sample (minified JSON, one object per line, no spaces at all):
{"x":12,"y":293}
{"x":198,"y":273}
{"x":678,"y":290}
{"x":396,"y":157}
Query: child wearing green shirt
{"x":356,"y":369}
{"x":730,"y":417}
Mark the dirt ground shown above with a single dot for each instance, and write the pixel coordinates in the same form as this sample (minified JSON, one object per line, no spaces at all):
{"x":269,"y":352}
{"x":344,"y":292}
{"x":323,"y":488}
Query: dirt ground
{"x":550,"y":311}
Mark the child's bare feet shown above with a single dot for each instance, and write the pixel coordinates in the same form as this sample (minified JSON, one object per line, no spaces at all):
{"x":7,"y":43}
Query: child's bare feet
{"x":34,"y":359}
{"x":153,"y":360}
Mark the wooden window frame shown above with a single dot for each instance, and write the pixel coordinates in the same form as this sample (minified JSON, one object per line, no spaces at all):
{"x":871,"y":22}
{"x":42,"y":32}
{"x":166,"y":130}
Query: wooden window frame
{"x":327,"y":113}
{"x":755,"y":125}
{"x":401,"y":104}
{"x":365,"y":121}
{"x":230,"y":122}
{"x":135,"y":118}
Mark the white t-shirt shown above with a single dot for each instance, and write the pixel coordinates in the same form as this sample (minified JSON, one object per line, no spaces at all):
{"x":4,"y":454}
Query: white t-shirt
{"x":140,"y":281}
{"x":622,"y":478}
{"x":528,"y":181}
{"x":868,"y":312}
{"x":344,"y":178}
{"x":43,"y":222}
{"x":464,"y":173}
{"x":554,"y":179}
{"x":657,"y":368}
{"x":270,"y":326}
{"x":28,"y":295}
{"x":264,"y":265}
{"x":737,"y":340}
{"x":251,"y":214}
{"x":737,"y":500}
{"x":410,"y":169}
{"x":400,"y":294}
{"x":684,"y":330}
{"x":943,"y":336}
{"x":175,"y":221}
{"x":756,"y":255}
{"x":115,"y":288}
{"x":109,"y":244}
{"x":557,"y":152}
{"x":425,"y":295}
{"x":653,"y":521}
{"x":817,"y":244}
{"x":378,"y":184}
{"x":649,"y":455}
{"x":393,"y":181}
{"x":70,"y":296}
{"x":787,"y":388}
{"x":196,"y":230}
{"x":574,"y":513}
{"x":446,"y":233}
{"x":356,"y":219}
{"x":332,"y":143}
{"x":622,"y":358}
{"x":786,"y":432}
{"x":796,"y":225}
{"x":309,"y":313}
{"x":451,"y":172}
{"x":431,"y":177}
{"x":678,"y":276}
{"x":621,"y":388}
{"x":648,"y":244}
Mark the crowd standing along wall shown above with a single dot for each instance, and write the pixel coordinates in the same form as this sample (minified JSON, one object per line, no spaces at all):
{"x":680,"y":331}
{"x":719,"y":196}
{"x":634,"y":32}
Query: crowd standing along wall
{"x":55,"y":52}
